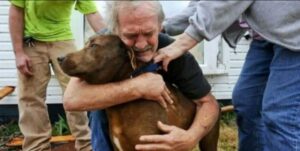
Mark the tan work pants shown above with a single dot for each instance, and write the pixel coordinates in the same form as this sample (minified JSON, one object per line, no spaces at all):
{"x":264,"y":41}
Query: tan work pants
{"x":33,"y":115}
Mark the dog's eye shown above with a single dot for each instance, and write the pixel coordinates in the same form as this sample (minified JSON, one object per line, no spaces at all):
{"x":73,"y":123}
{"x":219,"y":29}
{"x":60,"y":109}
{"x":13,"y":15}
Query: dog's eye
{"x":93,"y":45}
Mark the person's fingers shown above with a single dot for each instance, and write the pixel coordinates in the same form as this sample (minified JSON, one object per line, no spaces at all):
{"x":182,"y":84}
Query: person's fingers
{"x":29,"y":67}
{"x":29,"y":64}
{"x":26,"y":71}
{"x":168,"y":91}
{"x":164,"y":58}
{"x":164,"y":127}
{"x":162,"y":102}
{"x":167,"y":96}
{"x":153,"y":138}
{"x":159,"y":58}
{"x":21,"y":69}
{"x":165,"y":64}
{"x":151,"y":147}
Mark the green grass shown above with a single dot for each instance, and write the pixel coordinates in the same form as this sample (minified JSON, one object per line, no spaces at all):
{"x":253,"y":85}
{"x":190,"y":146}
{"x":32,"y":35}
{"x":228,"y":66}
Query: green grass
{"x":60,"y":127}
{"x":228,"y":118}
{"x":7,"y":132}
{"x":228,"y":139}
{"x":11,"y":130}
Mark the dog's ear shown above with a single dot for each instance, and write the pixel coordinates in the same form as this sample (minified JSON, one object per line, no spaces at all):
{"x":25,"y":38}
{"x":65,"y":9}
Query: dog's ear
{"x":122,"y":47}
{"x":122,"y":44}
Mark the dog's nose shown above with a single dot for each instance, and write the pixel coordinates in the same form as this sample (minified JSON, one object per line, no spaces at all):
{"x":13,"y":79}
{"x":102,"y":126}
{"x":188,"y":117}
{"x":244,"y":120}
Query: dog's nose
{"x":60,"y":59}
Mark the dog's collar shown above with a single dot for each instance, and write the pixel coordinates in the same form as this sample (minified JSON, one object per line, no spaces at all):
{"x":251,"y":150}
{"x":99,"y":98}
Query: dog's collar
{"x":150,"y":67}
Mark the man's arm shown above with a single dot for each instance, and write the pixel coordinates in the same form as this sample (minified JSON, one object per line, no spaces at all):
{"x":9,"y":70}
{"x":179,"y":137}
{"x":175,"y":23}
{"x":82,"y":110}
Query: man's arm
{"x":80,"y":96}
{"x":16,"y":28}
{"x":186,"y":74}
{"x":207,"y":113}
{"x":96,"y":21}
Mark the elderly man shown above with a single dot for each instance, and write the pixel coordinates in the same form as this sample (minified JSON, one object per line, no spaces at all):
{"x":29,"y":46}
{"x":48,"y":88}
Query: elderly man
{"x":140,"y":32}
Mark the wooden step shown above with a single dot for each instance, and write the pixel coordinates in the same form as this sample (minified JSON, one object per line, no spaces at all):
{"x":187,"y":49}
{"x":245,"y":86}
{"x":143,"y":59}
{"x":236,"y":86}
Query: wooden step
{"x":17,"y":141}
{"x":7,"y":90}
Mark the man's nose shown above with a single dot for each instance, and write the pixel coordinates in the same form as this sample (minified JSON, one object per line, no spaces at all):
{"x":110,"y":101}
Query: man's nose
{"x":61,"y":59}
{"x":141,"y":43}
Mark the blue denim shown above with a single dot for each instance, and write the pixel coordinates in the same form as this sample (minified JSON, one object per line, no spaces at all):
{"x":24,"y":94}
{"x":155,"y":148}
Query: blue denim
{"x":100,"y":131}
{"x":267,"y":99}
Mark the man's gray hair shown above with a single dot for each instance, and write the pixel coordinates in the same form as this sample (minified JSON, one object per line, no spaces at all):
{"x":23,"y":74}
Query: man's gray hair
{"x":113,"y":8}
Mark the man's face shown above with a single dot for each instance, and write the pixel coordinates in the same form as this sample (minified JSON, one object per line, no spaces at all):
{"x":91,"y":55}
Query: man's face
{"x":139,"y":29}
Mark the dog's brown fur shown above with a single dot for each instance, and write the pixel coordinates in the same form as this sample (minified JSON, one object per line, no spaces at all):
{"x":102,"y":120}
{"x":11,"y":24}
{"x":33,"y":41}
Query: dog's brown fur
{"x":103,"y":60}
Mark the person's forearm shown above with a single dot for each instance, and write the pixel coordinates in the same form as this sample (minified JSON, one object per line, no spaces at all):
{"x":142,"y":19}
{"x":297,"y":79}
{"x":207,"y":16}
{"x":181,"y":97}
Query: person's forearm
{"x":96,"y":21}
{"x":185,"y":42}
{"x":16,"y":28}
{"x":80,"y":96}
{"x":207,"y":113}
{"x":91,"y":97}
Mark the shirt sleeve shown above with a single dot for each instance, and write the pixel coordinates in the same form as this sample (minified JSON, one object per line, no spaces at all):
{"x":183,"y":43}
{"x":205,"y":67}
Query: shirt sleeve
{"x":186,"y":74}
{"x":214,"y":17}
{"x":86,"y":6}
{"x":19,"y":3}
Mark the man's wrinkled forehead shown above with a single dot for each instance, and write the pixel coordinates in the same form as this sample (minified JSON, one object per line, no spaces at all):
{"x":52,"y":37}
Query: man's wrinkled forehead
{"x":133,"y":5}
{"x":143,"y":22}
{"x":141,"y":11}
{"x":141,"y":30}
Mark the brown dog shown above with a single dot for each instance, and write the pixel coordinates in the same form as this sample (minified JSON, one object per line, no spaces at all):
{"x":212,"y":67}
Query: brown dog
{"x":104,"y":59}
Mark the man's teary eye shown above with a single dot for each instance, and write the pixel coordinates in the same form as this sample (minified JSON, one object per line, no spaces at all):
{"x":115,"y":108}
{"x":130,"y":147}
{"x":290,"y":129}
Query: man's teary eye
{"x":93,"y":45}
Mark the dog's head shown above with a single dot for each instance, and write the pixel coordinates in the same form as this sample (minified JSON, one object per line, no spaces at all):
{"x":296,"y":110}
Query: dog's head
{"x":98,"y":61}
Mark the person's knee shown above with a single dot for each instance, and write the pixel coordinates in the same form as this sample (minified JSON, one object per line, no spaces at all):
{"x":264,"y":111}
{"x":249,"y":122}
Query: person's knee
{"x":238,"y":99}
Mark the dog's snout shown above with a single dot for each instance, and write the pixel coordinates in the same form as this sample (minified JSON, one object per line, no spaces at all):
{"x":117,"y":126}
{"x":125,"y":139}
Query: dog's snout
{"x":61,"y":59}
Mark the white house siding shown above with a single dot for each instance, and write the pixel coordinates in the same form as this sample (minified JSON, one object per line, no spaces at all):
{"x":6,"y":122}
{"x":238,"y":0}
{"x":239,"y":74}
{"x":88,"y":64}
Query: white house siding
{"x":222,"y":84}
{"x":8,"y":72}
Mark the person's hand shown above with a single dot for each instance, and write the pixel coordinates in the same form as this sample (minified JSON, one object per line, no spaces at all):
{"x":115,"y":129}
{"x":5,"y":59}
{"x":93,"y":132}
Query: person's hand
{"x":175,"y":139}
{"x":23,"y":64}
{"x":152,"y":87}
{"x":182,"y":44}
{"x":166,"y":55}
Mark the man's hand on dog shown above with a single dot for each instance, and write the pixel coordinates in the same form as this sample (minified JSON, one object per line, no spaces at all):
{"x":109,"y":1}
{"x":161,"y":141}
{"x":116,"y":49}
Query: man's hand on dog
{"x":175,"y":139}
{"x":152,"y":87}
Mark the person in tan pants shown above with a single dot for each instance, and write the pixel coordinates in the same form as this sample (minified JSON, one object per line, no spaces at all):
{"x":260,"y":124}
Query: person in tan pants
{"x":40,"y":33}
